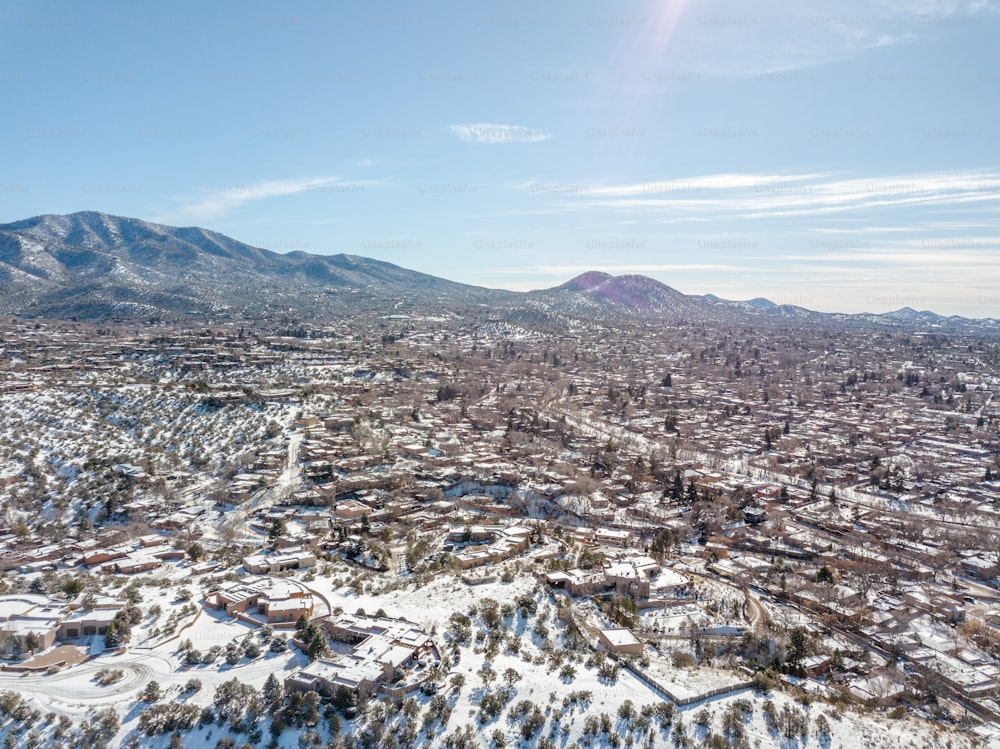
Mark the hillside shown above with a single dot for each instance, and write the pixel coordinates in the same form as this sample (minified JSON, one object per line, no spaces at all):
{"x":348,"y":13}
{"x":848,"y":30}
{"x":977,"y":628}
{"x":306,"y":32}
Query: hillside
{"x":94,"y":266}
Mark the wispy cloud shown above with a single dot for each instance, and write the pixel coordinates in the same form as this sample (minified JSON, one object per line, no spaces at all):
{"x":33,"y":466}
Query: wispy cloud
{"x":569,"y":270}
{"x":731,"y":38}
{"x":207,"y":202}
{"x":487,"y":132}
{"x":762,"y":196}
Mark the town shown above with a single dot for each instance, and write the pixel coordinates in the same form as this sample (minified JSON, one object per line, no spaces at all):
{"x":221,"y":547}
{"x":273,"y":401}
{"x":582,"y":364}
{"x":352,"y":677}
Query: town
{"x":415,"y":530}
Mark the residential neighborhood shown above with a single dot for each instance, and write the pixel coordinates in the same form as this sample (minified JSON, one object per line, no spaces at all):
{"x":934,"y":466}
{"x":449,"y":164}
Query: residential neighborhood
{"x":762,"y":518}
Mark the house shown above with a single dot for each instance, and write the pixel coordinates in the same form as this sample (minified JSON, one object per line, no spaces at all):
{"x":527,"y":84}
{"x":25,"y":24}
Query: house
{"x":502,"y":542}
{"x":88,"y":623}
{"x":620,"y":641}
{"x":329,"y":676}
{"x":981,"y":566}
{"x":815,"y":665}
{"x":611,"y":537}
{"x":284,"y":609}
{"x":628,"y":579}
{"x":263,"y":601}
{"x":351,"y":509}
{"x":382,"y":650}
{"x":268,"y":563}
{"x":33,"y":621}
{"x":577,"y":582}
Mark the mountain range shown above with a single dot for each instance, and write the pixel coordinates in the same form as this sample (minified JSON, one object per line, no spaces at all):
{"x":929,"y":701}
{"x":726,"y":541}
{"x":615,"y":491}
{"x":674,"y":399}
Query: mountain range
{"x":95,"y":266}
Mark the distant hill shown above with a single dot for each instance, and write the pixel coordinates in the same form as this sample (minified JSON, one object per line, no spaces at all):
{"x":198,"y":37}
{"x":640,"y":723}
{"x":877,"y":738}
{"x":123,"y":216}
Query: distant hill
{"x":95,"y":266}
{"x":635,"y":293}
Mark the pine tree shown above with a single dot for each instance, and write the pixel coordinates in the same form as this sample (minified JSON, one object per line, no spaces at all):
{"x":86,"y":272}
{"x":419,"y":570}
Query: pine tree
{"x":678,"y":489}
{"x":273,"y":693}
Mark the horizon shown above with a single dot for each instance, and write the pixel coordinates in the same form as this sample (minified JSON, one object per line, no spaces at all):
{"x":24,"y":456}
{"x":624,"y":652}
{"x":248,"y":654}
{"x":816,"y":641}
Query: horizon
{"x":533,"y":288}
{"x":854,"y":170}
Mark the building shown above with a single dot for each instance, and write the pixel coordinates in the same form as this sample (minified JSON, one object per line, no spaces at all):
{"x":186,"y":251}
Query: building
{"x":489,"y":543}
{"x":637,"y":577}
{"x":382,"y":651}
{"x":30,"y":621}
{"x":268,"y":563}
{"x":620,"y":641}
{"x":612,"y":537}
{"x":264,"y":601}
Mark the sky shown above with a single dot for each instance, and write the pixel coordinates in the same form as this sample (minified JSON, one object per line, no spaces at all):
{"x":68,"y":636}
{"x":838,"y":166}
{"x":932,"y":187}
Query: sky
{"x":841,"y":155}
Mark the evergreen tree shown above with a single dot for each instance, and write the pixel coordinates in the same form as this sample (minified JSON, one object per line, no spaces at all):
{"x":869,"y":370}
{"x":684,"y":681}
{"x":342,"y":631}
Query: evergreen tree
{"x":273,"y":693}
{"x":678,"y":488}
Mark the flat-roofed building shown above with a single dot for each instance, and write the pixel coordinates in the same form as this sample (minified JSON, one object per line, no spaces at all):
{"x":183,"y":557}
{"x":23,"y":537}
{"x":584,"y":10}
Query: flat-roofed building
{"x":620,"y":641}
{"x":383,"y":649}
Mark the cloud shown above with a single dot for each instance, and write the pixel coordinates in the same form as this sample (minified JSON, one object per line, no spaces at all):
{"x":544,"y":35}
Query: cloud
{"x":730,"y":38}
{"x":486,"y":132}
{"x":573,"y":270}
{"x":762,"y":196}
{"x":212,"y":201}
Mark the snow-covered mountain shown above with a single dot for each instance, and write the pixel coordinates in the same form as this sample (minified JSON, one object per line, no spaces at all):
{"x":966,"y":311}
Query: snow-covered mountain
{"x":95,"y":266}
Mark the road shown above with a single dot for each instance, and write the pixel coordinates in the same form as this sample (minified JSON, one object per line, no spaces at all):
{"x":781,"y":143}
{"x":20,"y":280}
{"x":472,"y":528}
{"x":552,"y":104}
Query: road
{"x":281,"y":488}
{"x":756,"y":612}
{"x":71,"y":690}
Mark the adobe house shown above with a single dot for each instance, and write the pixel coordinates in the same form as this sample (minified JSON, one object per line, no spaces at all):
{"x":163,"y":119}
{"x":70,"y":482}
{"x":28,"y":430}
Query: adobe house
{"x":275,"y":602}
{"x":381,"y":650}
{"x":620,"y":641}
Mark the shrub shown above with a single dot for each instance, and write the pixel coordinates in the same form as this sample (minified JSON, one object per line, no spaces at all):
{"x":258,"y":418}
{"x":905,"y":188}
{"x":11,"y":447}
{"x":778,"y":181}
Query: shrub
{"x":167,"y":718}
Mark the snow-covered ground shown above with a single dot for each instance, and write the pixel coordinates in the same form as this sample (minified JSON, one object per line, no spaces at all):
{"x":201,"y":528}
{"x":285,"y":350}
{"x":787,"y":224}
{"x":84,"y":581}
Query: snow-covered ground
{"x":565,"y":682}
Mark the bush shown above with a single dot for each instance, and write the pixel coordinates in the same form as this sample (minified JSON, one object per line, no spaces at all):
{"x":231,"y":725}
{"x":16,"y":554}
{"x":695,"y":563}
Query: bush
{"x":490,"y":707}
{"x":151,"y":693}
{"x":608,"y":672}
{"x":167,"y":718}
{"x":107,"y":676}
{"x":822,"y":728}
{"x":762,"y":683}
{"x":680,"y":659}
{"x":533,"y":723}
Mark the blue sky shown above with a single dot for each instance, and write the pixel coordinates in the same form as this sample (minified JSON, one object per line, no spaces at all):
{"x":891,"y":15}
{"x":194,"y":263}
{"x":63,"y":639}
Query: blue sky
{"x":837,"y":154}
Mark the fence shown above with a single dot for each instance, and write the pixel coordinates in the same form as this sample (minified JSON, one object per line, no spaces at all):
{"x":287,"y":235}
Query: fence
{"x":681,"y":701}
